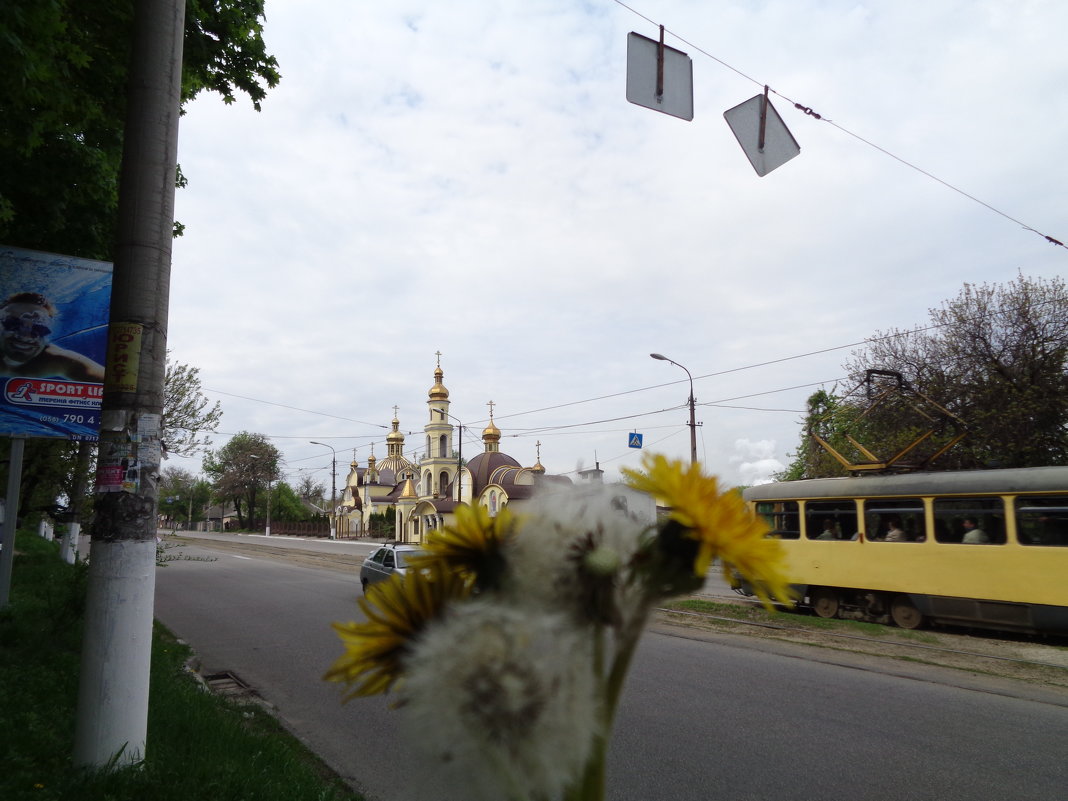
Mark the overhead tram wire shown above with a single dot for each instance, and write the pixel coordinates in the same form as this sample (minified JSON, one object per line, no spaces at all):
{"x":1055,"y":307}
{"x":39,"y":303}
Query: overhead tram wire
{"x":469,"y":428}
{"x":823,"y":118}
{"x":295,"y":408}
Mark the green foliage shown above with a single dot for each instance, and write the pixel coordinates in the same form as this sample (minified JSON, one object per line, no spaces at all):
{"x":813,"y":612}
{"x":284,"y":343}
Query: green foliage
{"x":996,"y":356}
{"x":811,"y":459}
{"x":182,"y":496}
{"x":286,"y":505}
{"x":200,"y":746}
{"x":224,"y":51}
{"x":382,"y":525}
{"x":63,"y":108}
{"x":240,"y":471}
{"x":50,"y":468}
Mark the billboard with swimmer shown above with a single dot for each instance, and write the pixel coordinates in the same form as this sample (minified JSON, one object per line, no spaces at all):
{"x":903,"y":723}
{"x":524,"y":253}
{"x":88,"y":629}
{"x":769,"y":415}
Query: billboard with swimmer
{"x":53,"y":343}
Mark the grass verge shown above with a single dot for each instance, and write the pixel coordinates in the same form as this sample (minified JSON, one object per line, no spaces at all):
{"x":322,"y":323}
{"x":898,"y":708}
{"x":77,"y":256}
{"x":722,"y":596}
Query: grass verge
{"x":200,"y":746}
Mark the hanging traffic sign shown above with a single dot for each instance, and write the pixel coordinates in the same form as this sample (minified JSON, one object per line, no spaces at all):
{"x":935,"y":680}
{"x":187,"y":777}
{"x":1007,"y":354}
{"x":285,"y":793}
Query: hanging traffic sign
{"x":659,"y":77}
{"x":764,"y":137}
{"x":635,"y":440}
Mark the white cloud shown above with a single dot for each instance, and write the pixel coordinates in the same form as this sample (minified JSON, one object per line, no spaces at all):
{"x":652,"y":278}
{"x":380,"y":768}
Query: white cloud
{"x":468,"y":177}
{"x":756,"y":461}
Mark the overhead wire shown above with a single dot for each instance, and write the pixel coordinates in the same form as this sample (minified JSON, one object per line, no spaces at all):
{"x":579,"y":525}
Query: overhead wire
{"x":823,"y":118}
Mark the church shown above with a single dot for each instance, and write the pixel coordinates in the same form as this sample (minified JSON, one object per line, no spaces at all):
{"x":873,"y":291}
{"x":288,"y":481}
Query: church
{"x":424,"y":494}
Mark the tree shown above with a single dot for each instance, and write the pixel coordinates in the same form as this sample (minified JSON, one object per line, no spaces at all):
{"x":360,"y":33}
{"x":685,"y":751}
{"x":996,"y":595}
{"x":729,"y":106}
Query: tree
{"x":185,"y":411}
{"x":310,"y":490}
{"x":240,"y":471}
{"x":50,"y":469}
{"x":63,"y":107}
{"x":182,"y":496}
{"x":996,"y":356}
{"x":811,"y":459}
{"x":286,"y":505}
{"x":382,"y":524}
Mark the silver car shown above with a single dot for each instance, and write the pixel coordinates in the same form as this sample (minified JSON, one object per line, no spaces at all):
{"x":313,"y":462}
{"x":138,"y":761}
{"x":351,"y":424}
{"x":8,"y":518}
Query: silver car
{"x":388,"y":559}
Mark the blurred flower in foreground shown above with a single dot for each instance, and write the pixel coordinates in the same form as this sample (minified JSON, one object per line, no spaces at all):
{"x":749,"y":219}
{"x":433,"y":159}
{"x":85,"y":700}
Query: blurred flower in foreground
{"x":720,"y":523}
{"x":397,"y":610}
{"x":502,"y":703}
{"x":508,"y":643}
{"x":473,"y":546}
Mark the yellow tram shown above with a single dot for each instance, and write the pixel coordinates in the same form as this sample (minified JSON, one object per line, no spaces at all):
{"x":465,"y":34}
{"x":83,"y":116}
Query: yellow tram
{"x":986,"y":548}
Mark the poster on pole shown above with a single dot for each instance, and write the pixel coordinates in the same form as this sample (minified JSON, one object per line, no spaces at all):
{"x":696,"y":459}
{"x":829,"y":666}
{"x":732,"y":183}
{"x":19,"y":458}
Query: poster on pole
{"x":53,"y":343}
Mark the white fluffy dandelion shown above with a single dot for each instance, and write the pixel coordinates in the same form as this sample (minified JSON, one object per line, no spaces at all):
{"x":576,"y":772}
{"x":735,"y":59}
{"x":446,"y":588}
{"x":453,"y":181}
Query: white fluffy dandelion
{"x":573,"y":550}
{"x":501,"y":703}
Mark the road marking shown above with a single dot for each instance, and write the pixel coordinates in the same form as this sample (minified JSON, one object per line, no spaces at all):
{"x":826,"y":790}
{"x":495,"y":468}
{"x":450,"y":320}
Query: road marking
{"x":240,"y":557}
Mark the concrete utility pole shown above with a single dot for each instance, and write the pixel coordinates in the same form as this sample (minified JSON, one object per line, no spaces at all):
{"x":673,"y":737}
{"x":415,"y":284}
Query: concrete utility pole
{"x":112,"y":721}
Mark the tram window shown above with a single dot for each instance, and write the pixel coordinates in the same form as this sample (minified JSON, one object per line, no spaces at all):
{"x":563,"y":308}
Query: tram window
{"x":972,"y":521}
{"x":830,"y":520}
{"x":782,"y":517}
{"x":1042,"y":521}
{"x":895,"y":520}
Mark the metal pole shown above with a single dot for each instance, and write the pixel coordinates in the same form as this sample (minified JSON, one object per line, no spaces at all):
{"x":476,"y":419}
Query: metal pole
{"x":693,"y":423}
{"x":692,"y":403}
{"x":333,"y":488}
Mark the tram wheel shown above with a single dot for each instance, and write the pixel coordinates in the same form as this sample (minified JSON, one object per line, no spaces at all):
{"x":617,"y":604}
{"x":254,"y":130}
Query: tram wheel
{"x":904,"y":613}
{"x":824,"y":602}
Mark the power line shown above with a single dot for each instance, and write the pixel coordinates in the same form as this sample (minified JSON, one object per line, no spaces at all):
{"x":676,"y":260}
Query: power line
{"x":294,"y":408}
{"x":823,"y":118}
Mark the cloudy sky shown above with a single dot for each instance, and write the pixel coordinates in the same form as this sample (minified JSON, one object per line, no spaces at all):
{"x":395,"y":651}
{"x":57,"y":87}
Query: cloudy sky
{"x":468,"y":177}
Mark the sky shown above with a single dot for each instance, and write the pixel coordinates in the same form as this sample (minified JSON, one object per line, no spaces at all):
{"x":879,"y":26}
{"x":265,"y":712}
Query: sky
{"x":469,"y":177}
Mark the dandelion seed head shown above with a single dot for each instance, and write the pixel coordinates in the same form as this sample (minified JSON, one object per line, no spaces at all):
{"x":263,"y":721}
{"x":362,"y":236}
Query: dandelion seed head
{"x":572,"y":551}
{"x":500,"y":702}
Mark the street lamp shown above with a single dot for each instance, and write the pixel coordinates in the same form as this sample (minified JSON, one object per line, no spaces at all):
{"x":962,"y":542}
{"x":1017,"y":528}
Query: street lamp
{"x":692,"y":401}
{"x":333,"y":488}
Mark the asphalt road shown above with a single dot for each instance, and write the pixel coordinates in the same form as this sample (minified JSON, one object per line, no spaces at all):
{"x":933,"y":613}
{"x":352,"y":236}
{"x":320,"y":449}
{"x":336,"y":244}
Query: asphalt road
{"x":704,"y":716}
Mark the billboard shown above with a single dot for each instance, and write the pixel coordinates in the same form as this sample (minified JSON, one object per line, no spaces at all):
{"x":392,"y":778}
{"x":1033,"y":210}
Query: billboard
{"x":53,"y":343}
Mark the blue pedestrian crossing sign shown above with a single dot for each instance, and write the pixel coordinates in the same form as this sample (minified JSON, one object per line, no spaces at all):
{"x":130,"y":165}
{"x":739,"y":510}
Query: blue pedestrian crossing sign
{"x":635,"y":440}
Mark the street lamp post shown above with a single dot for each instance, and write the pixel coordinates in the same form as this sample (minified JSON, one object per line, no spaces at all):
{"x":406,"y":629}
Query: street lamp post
{"x":333,"y":488}
{"x":692,"y":402}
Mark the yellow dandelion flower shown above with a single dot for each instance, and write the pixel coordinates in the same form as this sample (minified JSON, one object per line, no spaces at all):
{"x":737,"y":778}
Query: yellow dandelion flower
{"x":720,"y":522}
{"x":397,"y":610}
{"x":472,"y":546}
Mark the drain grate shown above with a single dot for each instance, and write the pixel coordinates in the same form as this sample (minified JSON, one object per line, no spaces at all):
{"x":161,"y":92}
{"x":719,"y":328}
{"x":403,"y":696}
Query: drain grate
{"x":227,"y":683}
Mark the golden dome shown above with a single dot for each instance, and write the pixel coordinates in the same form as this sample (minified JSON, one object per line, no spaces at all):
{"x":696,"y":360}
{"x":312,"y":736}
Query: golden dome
{"x":491,"y":433}
{"x":395,"y":435}
{"x":438,"y":391}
